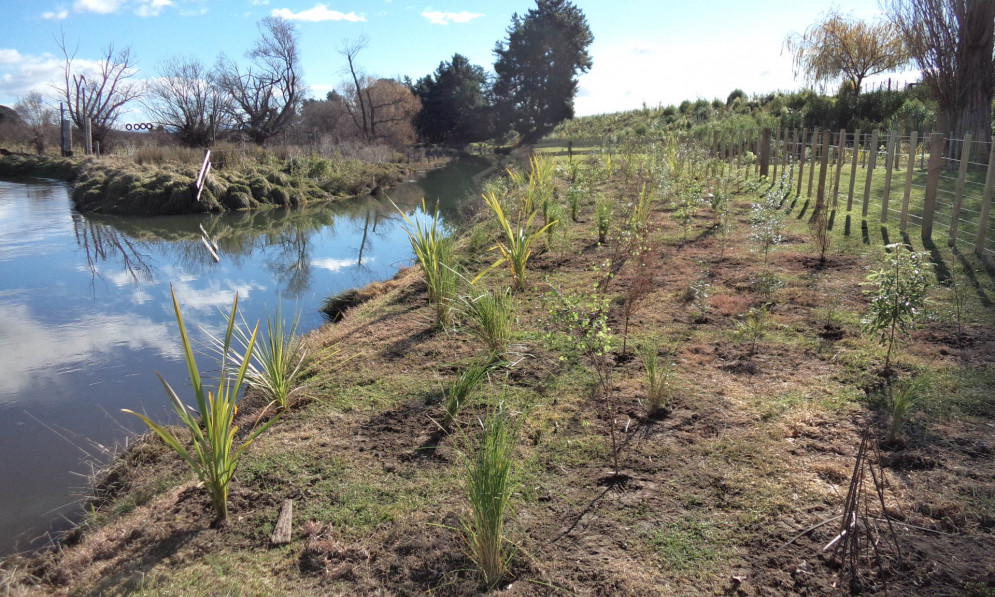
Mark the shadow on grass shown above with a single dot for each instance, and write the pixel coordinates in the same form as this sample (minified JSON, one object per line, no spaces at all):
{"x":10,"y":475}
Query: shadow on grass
{"x":969,"y":271}
{"x":804,"y":209}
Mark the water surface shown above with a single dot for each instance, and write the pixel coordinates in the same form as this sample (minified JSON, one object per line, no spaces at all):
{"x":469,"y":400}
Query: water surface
{"x":86,"y":316}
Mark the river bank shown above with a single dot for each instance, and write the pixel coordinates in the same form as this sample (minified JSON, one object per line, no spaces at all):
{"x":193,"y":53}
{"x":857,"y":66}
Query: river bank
{"x":238,"y":181}
{"x":735,"y":486}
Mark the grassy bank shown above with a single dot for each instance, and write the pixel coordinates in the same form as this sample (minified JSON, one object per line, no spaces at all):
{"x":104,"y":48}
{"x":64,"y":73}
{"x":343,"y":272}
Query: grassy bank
{"x":729,"y":476}
{"x":156,"y":183}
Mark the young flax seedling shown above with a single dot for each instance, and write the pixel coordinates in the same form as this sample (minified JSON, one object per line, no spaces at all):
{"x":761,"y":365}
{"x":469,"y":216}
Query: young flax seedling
{"x":215,"y":456}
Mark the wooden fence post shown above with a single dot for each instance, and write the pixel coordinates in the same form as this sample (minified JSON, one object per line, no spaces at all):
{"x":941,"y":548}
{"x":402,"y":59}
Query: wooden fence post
{"x":801,"y":163}
{"x":932,"y":181}
{"x":820,"y":198}
{"x":986,"y":206}
{"x":853,"y":169}
{"x":913,"y":146}
{"x":872,"y":158}
{"x":814,"y":145}
{"x":765,"y":152}
{"x":889,"y":165}
{"x":965,"y":158}
{"x":784,"y":151}
{"x":775,"y":156}
{"x":840,"y":154}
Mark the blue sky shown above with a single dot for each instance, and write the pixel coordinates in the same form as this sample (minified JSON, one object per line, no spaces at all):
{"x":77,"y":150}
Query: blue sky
{"x":652,"y":51}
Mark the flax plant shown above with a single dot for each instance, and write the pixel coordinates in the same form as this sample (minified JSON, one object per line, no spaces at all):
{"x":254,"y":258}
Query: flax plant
{"x":214,"y":457}
{"x":519,"y":240}
{"x":489,"y":489}
{"x":278,"y":362}
{"x":434,"y":250}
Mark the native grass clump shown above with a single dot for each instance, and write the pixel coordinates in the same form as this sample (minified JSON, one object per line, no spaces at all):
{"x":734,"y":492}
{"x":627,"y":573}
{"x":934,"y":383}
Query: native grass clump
{"x":659,"y":377}
{"x":277,"y":362}
{"x":215,"y":455}
{"x":491,"y":316}
{"x":489,"y":488}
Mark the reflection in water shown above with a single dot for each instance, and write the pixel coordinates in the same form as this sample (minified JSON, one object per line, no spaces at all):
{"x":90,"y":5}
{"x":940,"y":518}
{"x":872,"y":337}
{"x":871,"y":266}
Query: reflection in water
{"x":101,"y":242}
{"x":127,"y":242}
{"x":73,"y":353}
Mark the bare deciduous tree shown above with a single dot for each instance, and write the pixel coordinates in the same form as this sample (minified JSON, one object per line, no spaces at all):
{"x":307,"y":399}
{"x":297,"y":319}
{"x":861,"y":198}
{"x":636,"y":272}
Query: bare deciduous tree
{"x":102,"y":94}
{"x":185,"y":98}
{"x":39,"y":118}
{"x":382,"y":109}
{"x":951,"y":41}
{"x":265,"y":96}
{"x":361,"y":118}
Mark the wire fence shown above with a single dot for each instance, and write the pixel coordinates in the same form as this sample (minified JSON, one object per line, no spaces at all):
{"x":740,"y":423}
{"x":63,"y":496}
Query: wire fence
{"x":941,"y":184}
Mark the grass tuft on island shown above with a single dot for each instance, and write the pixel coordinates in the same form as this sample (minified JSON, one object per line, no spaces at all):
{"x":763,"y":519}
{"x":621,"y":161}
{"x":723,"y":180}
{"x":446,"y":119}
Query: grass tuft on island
{"x":155,"y":181}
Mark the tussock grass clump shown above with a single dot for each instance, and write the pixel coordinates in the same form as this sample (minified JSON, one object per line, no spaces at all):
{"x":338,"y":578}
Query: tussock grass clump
{"x":903,"y":399}
{"x":489,"y":488}
{"x":490,"y":315}
{"x":215,"y":456}
{"x":658,"y":377}
{"x":461,"y":388}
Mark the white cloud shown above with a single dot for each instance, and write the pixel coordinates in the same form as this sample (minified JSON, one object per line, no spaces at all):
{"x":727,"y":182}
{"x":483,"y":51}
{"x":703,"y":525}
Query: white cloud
{"x":437,"y":17}
{"x":21,"y":73}
{"x":259,"y":2}
{"x":55,"y":15}
{"x":9,"y":56}
{"x":103,"y":7}
{"x":151,"y":8}
{"x":319,"y":13}
{"x":624,"y":76}
{"x":336,"y":265}
{"x":32,"y":350}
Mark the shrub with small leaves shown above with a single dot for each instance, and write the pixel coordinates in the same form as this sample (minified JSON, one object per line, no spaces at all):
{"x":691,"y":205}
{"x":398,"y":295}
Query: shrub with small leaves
{"x":898,"y":294}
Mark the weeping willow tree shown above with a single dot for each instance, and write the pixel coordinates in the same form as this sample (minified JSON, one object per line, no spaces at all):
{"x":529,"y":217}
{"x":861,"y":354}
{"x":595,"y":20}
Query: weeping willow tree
{"x":846,"y":50}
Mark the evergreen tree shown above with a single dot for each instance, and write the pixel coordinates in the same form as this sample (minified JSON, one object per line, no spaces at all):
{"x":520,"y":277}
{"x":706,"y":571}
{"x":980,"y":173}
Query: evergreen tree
{"x":454,"y":103}
{"x":537,"y":68}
